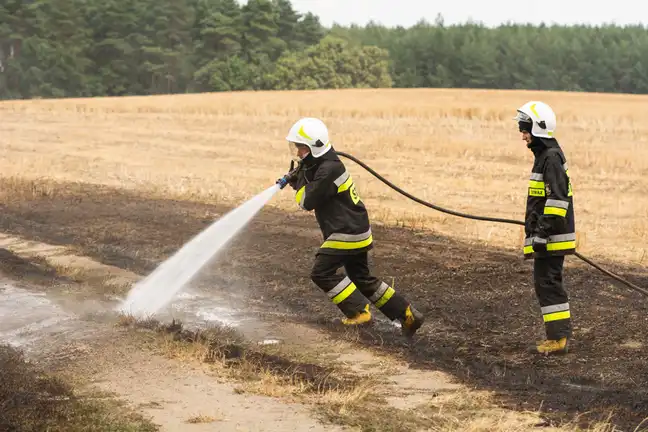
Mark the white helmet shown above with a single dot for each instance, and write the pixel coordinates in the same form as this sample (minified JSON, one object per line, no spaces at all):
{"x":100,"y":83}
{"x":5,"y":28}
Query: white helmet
{"x":541,"y":116}
{"x":311,"y":132}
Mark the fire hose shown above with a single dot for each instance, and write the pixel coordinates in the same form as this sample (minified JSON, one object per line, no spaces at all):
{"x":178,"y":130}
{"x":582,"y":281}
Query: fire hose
{"x":293,"y":170}
{"x":485,"y":218}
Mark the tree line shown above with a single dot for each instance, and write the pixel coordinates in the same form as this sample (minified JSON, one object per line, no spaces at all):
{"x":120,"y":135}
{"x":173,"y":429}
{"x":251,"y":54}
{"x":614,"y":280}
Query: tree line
{"x":76,"y":48}
{"x":572,"y":58}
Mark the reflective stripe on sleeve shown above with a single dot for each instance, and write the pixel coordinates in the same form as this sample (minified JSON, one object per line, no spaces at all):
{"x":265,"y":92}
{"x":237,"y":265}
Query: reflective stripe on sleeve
{"x":536,"y":187}
{"x":558,"y":242}
{"x":556,"y":207}
{"x":343,"y":178}
{"x":346,"y":185}
{"x":557,"y":203}
{"x":301,"y":196}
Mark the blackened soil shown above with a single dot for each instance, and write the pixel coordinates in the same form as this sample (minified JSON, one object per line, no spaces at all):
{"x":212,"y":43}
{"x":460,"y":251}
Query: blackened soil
{"x":481,"y":312}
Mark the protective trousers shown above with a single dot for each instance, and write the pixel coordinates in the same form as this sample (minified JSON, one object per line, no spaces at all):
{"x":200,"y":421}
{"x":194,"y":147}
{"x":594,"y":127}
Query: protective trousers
{"x":553,"y":299}
{"x":350,"y":292}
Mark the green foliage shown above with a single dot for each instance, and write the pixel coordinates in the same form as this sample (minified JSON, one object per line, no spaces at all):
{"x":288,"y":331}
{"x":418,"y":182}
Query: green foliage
{"x":576,"y":58}
{"x":331,"y":64}
{"x":69,"y":48}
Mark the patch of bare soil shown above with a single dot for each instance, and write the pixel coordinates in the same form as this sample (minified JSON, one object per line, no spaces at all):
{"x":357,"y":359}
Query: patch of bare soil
{"x":181,"y":396}
{"x":481,"y":311}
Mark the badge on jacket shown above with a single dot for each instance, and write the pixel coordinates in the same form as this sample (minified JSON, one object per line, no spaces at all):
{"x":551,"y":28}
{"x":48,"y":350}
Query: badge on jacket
{"x":547,"y":189}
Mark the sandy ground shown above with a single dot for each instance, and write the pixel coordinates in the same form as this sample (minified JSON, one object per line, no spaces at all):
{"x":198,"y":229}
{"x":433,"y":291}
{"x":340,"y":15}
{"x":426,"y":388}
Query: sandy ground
{"x":172,"y":393}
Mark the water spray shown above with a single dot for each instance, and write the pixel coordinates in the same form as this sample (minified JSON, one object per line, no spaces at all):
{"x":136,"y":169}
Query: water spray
{"x":160,"y":287}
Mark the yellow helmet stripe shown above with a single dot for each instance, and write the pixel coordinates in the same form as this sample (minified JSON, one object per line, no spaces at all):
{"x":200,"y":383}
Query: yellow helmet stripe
{"x":303,"y":133}
{"x":533,"y":110}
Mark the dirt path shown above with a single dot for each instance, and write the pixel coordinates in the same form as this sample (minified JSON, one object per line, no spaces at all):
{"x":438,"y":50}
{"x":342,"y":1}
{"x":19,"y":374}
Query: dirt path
{"x":183,"y":397}
{"x":481,"y":311}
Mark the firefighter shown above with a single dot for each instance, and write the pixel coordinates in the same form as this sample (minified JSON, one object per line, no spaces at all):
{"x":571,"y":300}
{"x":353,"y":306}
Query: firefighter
{"x":549,"y":222}
{"x":323,"y":184}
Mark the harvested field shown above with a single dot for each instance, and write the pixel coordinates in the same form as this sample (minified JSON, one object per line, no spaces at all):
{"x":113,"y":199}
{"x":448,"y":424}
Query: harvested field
{"x":457,"y":148}
{"x":127,"y":181}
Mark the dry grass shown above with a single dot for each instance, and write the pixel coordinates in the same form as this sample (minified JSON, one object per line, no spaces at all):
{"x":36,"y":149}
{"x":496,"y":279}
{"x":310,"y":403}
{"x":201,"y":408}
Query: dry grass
{"x":475,"y":411}
{"x":201,"y":418}
{"x":458,"y":148}
{"x":32,"y":399}
{"x":261,"y":368}
{"x":337,"y":395}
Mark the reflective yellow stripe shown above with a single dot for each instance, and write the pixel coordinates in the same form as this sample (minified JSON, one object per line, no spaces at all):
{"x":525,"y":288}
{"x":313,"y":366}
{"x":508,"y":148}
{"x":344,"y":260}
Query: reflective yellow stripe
{"x":534,"y":184}
{"x":559,"y":246}
{"x":570,"y":191}
{"x":553,"y":247}
{"x":299,"y":197}
{"x":557,"y":316}
{"x":536,"y":192}
{"x":302,"y":133}
{"x":533,"y":110}
{"x":555,"y":211}
{"x":385,"y":298}
{"x":332,"y":244}
{"x":344,"y":294}
{"x":346,"y":185}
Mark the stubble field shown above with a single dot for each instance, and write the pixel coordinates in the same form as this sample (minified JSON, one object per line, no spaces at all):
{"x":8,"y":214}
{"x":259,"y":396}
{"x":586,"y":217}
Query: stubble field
{"x":458,"y":149}
{"x":127,"y":181}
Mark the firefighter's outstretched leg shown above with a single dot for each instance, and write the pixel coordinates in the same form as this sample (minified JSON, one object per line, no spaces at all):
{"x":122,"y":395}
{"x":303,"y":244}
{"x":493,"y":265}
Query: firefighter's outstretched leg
{"x":554,"y":303}
{"x":393,"y":305}
{"x":340,"y":289}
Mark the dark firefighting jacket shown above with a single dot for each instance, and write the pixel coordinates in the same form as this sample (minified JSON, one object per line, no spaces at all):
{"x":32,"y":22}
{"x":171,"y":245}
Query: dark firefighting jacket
{"x":324,"y":185}
{"x":550,"y":207}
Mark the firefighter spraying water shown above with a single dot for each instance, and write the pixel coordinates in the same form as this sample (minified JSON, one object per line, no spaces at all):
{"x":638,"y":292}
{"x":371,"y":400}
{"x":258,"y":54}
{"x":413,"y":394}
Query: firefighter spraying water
{"x":323,"y":184}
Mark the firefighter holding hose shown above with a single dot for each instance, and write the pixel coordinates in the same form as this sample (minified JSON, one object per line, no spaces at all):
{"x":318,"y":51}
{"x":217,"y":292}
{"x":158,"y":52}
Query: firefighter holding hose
{"x":549,"y":222}
{"x":323,"y":184}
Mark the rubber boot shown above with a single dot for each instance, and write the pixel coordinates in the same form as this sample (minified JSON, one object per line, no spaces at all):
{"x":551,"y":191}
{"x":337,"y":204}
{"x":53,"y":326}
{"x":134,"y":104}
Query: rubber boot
{"x":361,"y":318}
{"x":411,"y":322}
{"x":553,"y":347}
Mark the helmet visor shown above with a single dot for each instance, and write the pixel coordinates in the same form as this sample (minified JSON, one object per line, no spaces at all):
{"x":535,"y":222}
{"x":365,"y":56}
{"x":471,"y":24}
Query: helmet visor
{"x":292,"y":151}
{"x":522,"y":117}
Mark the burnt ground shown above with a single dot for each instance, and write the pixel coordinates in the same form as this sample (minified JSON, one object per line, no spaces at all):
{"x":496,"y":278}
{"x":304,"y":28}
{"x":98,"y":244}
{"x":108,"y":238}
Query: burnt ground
{"x":481,"y":311}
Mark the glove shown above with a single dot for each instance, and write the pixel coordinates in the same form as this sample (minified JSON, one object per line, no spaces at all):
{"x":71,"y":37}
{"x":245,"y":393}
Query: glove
{"x":291,"y":177}
{"x":539,"y":244}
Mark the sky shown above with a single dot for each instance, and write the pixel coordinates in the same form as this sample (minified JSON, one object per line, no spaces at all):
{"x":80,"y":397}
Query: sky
{"x":491,"y":13}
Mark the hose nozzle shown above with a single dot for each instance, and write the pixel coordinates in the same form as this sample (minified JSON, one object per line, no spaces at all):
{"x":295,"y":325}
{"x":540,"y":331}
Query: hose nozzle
{"x":292,"y":173}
